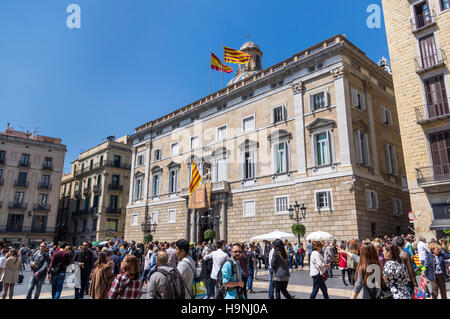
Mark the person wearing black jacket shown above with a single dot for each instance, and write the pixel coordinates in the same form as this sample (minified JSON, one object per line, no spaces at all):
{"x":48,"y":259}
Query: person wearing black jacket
{"x":205,"y":275}
{"x":39,"y":264}
{"x":85,"y":260}
{"x":280,"y":266}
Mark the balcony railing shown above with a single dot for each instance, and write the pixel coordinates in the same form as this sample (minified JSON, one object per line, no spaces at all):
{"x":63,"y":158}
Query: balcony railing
{"x":18,"y":205}
{"x":433,"y":174}
{"x":113,"y":210}
{"x":426,"y":62}
{"x":24,"y":164}
{"x":433,"y":112}
{"x":77,"y":193}
{"x":102,"y":164}
{"x":423,"y":20}
{"x":18,"y":183}
{"x":96,"y":189}
{"x":39,"y":229}
{"x":115,"y":187}
{"x":93,"y":210}
{"x":86,"y":191}
{"x":42,"y":208}
{"x":10,"y":229}
{"x":47,"y":166}
{"x":45,"y":186}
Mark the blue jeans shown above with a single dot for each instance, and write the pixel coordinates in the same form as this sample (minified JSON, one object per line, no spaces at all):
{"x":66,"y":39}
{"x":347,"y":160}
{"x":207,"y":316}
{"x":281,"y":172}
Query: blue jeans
{"x":290,"y":261}
{"x":301,"y":258}
{"x":271,"y":284}
{"x":266,"y":262}
{"x":318,"y":283}
{"x":35,"y":282}
{"x":57,"y":284}
{"x":251,"y":274}
{"x":211,"y":288}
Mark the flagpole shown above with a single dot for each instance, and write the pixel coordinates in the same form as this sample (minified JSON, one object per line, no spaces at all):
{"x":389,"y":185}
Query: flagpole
{"x":209,"y":72}
{"x":221,"y":73}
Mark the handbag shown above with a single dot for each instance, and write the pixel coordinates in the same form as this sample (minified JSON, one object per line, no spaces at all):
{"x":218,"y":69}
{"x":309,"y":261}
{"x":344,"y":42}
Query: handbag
{"x":381,"y":293}
{"x":20,"y":278}
{"x":56,"y":269}
{"x":325,"y":275}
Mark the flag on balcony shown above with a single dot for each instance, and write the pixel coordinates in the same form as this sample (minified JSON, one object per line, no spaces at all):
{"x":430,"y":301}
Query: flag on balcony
{"x":235,"y":56}
{"x":216,"y":64}
{"x":195,"y":179}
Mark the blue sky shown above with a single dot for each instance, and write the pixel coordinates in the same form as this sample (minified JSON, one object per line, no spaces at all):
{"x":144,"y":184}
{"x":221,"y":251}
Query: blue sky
{"x":133,"y":61}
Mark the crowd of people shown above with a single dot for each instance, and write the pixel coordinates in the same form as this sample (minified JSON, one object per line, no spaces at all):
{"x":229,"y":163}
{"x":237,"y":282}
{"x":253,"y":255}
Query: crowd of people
{"x":381,"y":268}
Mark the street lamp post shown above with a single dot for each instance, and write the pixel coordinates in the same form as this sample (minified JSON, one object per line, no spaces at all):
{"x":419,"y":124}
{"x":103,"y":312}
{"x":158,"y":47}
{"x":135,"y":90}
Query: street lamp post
{"x":148,"y":226}
{"x":300,"y":214}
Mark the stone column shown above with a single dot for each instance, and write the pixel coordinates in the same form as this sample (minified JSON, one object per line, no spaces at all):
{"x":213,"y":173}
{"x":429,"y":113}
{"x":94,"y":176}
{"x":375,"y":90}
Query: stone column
{"x":147,"y":166}
{"x":215,"y":219}
{"x":223,"y":220}
{"x":344,"y":123}
{"x":298,"y":90}
{"x":131,"y":191}
{"x":193,"y":225}
{"x":188,"y":225}
{"x":373,"y":138}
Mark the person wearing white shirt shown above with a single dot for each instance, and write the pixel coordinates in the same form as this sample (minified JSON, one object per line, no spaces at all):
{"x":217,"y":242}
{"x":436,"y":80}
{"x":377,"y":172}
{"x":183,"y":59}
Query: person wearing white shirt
{"x":218,"y":257}
{"x":422,"y":249}
{"x":317,"y":268}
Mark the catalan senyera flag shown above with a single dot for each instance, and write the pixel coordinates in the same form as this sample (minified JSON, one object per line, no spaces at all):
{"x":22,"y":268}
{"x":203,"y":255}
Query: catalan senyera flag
{"x":235,"y":56}
{"x":216,"y":64}
{"x":195,"y":179}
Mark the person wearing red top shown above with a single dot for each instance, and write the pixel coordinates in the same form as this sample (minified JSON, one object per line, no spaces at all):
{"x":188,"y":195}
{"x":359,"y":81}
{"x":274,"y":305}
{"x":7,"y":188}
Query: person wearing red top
{"x":127,"y":284}
{"x":343,"y":265}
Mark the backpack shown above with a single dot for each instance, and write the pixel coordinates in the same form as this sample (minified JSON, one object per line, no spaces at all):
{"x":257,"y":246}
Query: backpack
{"x":221,"y":289}
{"x":198,"y":285}
{"x":174,"y":286}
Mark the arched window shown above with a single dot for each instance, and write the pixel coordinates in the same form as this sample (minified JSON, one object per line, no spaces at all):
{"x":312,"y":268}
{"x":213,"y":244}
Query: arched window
{"x":258,"y":62}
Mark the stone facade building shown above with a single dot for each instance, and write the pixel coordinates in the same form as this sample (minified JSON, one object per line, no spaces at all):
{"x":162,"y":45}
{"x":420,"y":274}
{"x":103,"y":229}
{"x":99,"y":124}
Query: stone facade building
{"x":308,"y":129}
{"x":30,"y":174}
{"x":94,"y":195}
{"x":418,"y":34}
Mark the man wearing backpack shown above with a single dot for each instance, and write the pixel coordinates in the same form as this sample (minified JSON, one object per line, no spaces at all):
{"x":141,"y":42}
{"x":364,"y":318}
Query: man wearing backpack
{"x":166,"y":282}
{"x":218,"y":257}
{"x":186,"y":267}
{"x":231,"y":274}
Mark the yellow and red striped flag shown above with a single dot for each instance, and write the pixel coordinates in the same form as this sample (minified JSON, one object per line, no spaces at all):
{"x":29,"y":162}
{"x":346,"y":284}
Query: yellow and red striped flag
{"x":235,"y":56}
{"x":195,"y":179}
{"x":216,"y":64}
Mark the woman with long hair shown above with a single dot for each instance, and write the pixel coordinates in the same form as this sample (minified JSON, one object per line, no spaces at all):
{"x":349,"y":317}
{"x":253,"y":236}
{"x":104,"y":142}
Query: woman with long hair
{"x":102,"y":277}
{"x":127,"y":284}
{"x":353,"y":248}
{"x":10,"y":275}
{"x":317,"y":268}
{"x":367,"y":264}
{"x":280,"y":266}
{"x":395,"y":272}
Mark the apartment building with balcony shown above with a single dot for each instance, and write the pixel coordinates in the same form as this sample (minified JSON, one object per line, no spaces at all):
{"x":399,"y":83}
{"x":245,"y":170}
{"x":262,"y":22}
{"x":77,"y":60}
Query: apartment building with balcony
{"x":418,"y":33}
{"x":320,"y":128}
{"x":30,"y":174}
{"x":93,"y":196}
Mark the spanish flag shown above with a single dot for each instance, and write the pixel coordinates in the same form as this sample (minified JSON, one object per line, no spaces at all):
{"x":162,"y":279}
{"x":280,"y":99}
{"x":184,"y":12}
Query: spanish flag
{"x":235,"y":56}
{"x":195,"y":179}
{"x":216,"y":64}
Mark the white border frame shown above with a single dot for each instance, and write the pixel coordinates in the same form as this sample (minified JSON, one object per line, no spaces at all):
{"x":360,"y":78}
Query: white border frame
{"x":243,"y":208}
{"x":169,"y":221}
{"x":245,"y":118}
{"x":226,"y":131}
{"x":137,"y":219}
{"x":330,"y":200}
{"x":275,"y":205}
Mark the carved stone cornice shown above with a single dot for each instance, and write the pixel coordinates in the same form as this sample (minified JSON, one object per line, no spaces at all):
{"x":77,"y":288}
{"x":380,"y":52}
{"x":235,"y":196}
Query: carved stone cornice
{"x":298,"y":87}
{"x":338,"y":72}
